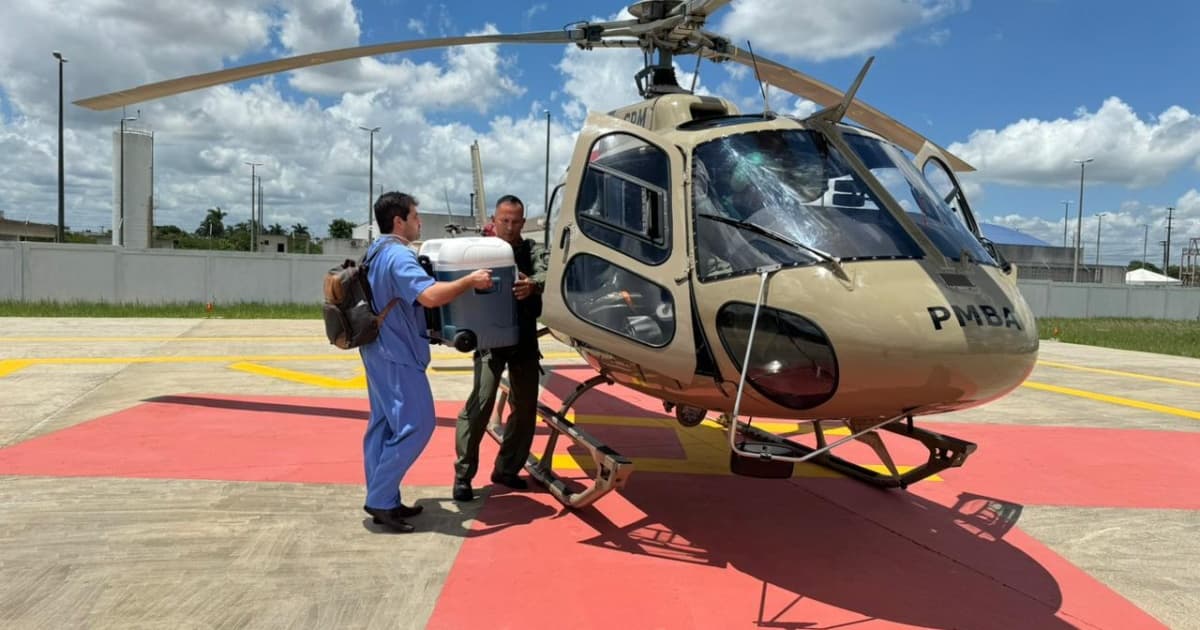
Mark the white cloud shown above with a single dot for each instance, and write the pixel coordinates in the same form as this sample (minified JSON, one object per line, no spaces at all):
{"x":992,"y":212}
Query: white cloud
{"x":1123,"y":231}
{"x":1127,"y":149}
{"x":828,"y":30}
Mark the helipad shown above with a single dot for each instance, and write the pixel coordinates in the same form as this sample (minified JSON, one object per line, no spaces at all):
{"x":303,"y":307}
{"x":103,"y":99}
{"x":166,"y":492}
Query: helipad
{"x":207,"y":473}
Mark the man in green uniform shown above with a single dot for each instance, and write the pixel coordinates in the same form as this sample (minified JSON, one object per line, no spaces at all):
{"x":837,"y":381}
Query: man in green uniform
{"x":521,"y":360}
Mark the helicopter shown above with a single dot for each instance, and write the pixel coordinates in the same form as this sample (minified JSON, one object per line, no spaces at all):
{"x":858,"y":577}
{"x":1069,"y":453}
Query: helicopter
{"x":753,"y":265}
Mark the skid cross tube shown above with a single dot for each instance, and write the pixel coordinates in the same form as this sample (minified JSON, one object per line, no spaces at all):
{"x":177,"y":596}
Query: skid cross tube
{"x":945,"y":451}
{"x":612,"y":469}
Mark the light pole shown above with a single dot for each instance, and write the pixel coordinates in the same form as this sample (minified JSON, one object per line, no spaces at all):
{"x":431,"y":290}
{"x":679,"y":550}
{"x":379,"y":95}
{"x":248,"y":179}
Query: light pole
{"x":1099,"y":222}
{"x":370,"y":177}
{"x":546,"y":186}
{"x":121,"y":188}
{"x":1066,"y":218}
{"x":1079,"y":220}
{"x":253,"y":212}
{"x":61,"y":206}
{"x":1145,"y":237}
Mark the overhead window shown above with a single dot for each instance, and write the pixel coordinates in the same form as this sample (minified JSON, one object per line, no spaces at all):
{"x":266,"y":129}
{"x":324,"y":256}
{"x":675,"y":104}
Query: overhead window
{"x":623,"y":201}
{"x":618,"y":300}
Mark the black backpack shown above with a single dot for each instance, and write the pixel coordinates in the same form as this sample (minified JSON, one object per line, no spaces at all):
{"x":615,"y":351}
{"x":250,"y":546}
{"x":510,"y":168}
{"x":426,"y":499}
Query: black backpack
{"x":350,"y":317}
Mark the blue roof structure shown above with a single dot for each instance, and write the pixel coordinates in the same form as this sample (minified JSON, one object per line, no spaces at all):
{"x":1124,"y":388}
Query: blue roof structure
{"x":1001,"y":235}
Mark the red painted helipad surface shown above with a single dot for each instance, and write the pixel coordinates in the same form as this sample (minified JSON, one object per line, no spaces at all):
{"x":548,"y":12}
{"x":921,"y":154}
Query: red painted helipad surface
{"x":691,"y":548}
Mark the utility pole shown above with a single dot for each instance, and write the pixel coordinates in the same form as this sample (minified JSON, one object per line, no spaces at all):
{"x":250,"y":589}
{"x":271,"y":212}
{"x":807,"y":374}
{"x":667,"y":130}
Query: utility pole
{"x":370,"y":177}
{"x":1099,"y":222}
{"x":1066,"y":219}
{"x":1145,"y":236}
{"x":1167,"y":243}
{"x":253,"y":220}
{"x":1079,"y":220}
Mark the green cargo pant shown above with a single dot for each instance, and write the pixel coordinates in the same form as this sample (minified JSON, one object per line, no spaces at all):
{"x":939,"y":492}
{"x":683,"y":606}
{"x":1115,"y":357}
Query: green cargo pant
{"x":523,"y":377}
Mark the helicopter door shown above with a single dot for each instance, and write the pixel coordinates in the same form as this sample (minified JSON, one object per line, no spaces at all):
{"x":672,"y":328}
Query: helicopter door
{"x":934,"y":165}
{"x":619,"y":253}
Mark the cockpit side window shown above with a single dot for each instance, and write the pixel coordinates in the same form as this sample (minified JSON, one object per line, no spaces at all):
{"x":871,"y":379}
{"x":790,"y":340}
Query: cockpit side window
{"x":623,"y":201}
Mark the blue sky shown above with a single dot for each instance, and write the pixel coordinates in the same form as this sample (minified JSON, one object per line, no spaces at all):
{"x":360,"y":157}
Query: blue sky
{"x":1018,"y":88}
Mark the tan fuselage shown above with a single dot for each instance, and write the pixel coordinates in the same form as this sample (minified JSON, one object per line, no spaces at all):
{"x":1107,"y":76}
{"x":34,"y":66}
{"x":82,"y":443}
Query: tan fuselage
{"x":904,"y":340}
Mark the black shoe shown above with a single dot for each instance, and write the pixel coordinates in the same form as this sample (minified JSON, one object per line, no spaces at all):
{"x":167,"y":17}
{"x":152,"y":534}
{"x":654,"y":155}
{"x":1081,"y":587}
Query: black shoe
{"x":406,"y":511}
{"x":511,"y":481}
{"x":462,"y":491}
{"x":391,"y":519}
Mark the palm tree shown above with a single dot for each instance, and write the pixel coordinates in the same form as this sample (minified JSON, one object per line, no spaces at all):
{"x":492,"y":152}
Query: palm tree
{"x":275,"y":229}
{"x":213,"y":223}
{"x":299,"y":230}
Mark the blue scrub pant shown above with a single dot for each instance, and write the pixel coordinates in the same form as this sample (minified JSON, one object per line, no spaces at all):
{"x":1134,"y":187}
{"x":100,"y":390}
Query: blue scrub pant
{"x":402,"y":421}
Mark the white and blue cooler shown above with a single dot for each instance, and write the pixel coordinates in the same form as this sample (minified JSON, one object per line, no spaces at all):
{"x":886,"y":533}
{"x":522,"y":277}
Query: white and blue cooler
{"x":476,"y":320}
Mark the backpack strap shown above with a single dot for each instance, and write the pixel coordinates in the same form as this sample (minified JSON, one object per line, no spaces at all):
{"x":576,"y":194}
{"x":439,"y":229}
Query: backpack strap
{"x":366,"y":260}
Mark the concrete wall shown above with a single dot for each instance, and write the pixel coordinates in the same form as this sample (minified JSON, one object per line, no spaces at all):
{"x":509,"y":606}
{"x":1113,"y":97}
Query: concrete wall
{"x":1059,"y":299}
{"x":64,"y":273}
{"x":100,"y":273}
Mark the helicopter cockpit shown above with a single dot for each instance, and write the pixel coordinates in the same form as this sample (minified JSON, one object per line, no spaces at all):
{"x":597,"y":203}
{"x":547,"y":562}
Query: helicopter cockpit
{"x":792,"y":183}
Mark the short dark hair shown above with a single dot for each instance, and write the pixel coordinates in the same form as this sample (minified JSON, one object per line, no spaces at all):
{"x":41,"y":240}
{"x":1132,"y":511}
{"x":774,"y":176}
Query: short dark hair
{"x":391,"y":205}
{"x":510,"y":199}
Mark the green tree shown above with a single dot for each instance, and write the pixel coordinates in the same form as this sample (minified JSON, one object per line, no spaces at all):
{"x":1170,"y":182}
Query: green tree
{"x":341,"y":228}
{"x":275,"y":230}
{"x":1138,"y":264}
{"x":300,"y":230}
{"x":213,"y":224}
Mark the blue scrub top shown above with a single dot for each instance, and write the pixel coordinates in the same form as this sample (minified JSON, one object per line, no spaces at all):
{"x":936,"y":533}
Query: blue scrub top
{"x":395,"y":272}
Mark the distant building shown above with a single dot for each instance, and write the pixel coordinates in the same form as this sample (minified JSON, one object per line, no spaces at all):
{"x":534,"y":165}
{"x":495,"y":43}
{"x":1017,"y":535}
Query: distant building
{"x":25,"y":231}
{"x":272,"y":244}
{"x":1038,"y":260}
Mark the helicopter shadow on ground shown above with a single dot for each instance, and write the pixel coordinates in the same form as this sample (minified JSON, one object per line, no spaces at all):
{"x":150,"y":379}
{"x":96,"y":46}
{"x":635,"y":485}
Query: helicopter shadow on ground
{"x":885,"y":554}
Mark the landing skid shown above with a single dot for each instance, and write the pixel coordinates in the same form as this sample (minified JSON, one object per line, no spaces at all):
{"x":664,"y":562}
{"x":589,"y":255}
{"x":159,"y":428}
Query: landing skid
{"x":764,"y":454}
{"x":758,"y":453}
{"x":612,"y":469}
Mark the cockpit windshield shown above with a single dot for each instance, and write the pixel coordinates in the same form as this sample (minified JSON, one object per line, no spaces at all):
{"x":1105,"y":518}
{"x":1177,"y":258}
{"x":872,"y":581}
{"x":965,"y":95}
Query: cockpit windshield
{"x":794,"y":184}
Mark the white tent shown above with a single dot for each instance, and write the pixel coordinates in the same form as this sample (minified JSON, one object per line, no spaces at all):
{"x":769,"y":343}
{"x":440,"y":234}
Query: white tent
{"x":1145,"y":276}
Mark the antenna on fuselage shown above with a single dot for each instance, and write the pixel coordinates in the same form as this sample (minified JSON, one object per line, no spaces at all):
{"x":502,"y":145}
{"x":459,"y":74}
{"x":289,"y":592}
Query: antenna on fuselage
{"x":761,"y":86}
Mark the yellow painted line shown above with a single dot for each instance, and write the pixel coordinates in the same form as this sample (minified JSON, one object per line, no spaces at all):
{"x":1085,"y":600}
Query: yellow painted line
{"x":1115,"y":400}
{"x":354,"y":382}
{"x":347,"y":356}
{"x":10,"y":366}
{"x":1146,"y":377}
{"x":713,"y":466}
{"x":149,"y":339}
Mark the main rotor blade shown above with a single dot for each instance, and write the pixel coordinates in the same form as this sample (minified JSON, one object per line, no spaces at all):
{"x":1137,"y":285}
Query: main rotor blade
{"x":229,"y":75}
{"x":803,"y":85}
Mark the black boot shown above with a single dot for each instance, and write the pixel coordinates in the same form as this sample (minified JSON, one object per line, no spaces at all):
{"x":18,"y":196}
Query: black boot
{"x":511,"y":481}
{"x":463,"y":491}
{"x":392,"y":519}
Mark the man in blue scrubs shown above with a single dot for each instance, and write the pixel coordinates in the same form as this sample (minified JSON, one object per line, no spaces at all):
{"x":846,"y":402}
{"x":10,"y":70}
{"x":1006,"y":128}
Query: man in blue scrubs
{"x":402,"y":415}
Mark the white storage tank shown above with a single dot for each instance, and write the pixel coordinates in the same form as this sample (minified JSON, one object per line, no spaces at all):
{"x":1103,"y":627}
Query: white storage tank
{"x":477,"y":320}
{"x":133,"y":220}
